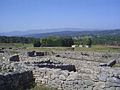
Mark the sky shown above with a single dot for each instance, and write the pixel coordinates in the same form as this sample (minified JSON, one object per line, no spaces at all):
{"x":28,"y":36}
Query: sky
{"x":22,"y":15}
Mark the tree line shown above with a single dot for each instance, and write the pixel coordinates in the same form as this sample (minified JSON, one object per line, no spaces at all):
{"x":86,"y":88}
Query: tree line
{"x":106,"y":40}
{"x":99,"y":40}
{"x":55,"y":41}
{"x":14,"y":39}
{"x":37,"y":42}
{"x":64,"y":41}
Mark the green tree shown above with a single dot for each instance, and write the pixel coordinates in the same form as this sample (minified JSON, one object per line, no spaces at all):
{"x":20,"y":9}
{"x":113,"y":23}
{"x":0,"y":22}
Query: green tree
{"x":67,"y":41}
{"x":87,"y":41}
{"x":37,"y":44}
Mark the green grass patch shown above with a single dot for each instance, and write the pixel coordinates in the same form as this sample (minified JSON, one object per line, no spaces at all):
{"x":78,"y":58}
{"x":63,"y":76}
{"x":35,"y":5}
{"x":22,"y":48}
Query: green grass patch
{"x":49,"y":48}
{"x":117,"y":65}
{"x":1,"y":58}
{"x":14,"y":52}
{"x":30,"y":47}
{"x":42,"y":88}
{"x":100,"y":48}
{"x":14,"y":45}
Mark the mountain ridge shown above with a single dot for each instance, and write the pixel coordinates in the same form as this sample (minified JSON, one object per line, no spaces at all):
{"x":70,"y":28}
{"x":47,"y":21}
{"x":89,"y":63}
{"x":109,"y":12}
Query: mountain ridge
{"x":62,"y":32}
{"x":76,"y":33}
{"x":35,"y":31}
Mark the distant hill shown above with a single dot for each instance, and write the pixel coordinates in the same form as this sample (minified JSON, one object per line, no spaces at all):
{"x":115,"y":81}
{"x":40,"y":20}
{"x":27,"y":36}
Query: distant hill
{"x":76,"y":33}
{"x":39,"y":31}
{"x":62,"y":32}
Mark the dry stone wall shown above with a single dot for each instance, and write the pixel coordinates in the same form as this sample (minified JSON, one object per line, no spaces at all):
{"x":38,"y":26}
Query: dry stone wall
{"x":16,"y":80}
{"x":64,"y":80}
{"x":88,"y":76}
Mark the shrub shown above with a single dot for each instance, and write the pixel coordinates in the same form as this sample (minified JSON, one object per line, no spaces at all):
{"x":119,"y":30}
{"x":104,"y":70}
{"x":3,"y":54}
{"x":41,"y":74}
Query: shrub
{"x":37,"y":44}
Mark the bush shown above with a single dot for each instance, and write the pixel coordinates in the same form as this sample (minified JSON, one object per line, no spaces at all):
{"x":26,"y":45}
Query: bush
{"x":37,"y":44}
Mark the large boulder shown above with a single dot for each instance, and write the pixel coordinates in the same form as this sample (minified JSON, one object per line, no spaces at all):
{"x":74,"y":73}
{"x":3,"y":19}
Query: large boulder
{"x":57,"y":55}
{"x":84,"y":54}
{"x":1,"y":51}
{"x":40,"y":53}
{"x":10,"y":47}
{"x":31,"y":54}
{"x":14,"y":58}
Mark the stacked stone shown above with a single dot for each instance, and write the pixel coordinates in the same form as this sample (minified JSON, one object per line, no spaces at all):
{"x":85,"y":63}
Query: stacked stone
{"x":14,"y":58}
{"x":54,"y":65}
{"x":34,"y":53}
{"x":89,"y":76}
{"x":16,"y":80}
{"x":65,"y":80}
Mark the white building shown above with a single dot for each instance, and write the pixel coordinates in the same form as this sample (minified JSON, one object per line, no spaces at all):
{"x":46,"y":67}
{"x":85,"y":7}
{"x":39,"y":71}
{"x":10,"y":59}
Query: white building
{"x":74,"y":46}
{"x":87,"y":46}
{"x":80,"y":45}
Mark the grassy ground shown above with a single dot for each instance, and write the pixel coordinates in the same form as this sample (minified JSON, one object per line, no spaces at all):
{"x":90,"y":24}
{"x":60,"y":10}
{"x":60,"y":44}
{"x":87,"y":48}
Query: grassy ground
{"x":30,"y":47}
{"x":93,"y":48}
{"x":42,"y":88}
{"x":50,"y":48}
{"x":100,"y":48}
{"x":14,"y":45}
{"x":1,"y":58}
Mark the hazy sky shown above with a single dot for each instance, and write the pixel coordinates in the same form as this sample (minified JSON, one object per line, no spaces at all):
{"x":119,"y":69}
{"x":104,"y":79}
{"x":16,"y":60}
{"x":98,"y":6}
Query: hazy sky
{"x":42,"y":14}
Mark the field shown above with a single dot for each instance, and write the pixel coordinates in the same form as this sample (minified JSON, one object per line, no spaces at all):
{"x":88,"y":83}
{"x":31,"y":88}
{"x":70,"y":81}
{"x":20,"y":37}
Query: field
{"x":102,"y":48}
{"x":14,"y":45}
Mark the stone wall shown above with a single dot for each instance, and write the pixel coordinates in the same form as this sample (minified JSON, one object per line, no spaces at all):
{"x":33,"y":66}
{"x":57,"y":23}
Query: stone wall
{"x":16,"y":80}
{"x":65,"y":80}
{"x":53,"y":65}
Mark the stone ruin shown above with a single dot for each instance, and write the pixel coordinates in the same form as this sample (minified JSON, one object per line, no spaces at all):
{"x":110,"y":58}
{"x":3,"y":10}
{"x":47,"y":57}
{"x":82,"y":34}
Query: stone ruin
{"x":34,"y":53}
{"x":31,"y":54}
{"x":16,"y":80}
{"x":109,"y":64}
{"x":76,"y":71}
{"x":53,"y":65}
{"x":1,"y":51}
{"x":14,"y":58}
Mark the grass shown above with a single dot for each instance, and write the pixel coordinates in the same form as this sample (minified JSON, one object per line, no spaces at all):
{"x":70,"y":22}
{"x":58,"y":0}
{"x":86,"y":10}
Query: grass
{"x":93,"y":48}
{"x":117,"y":65}
{"x":42,"y":88}
{"x":1,"y":58}
{"x":14,"y":45}
{"x":102,"y":48}
{"x":50,"y":48}
{"x":13,"y":52}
